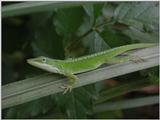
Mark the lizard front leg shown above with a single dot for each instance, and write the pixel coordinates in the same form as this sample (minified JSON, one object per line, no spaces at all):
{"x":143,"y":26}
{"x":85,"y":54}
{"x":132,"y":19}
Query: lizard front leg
{"x":71,"y":80}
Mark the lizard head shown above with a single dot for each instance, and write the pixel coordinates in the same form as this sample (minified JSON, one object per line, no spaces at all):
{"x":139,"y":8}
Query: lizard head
{"x":44,"y":63}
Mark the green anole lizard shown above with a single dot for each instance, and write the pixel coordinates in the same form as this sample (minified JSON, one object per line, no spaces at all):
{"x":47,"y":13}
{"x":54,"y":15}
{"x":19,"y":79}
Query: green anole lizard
{"x":86,"y":63}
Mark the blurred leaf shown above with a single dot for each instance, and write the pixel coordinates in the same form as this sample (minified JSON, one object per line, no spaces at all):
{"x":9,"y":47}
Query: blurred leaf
{"x":7,"y":71}
{"x":126,"y":104}
{"x":137,"y":15}
{"x":138,"y":12}
{"x":12,"y":34}
{"x":114,"y":38}
{"x":154,"y":78}
{"x":108,"y":11}
{"x":110,"y":36}
{"x":31,"y":109}
{"x":114,"y":114}
{"x":39,"y":19}
{"x":89,"y":10}
{"x":98,"y":10}
{"x":76,"y":106}
{"x":88,"y":21}
{"x":135,"y":34}
{"x":94,"y":43}
{"x":68,"y":20}
{"x":46,"y":42}
{"x":121,"y":89}
{"x":93,"y":11}
{"x":152,"y":74}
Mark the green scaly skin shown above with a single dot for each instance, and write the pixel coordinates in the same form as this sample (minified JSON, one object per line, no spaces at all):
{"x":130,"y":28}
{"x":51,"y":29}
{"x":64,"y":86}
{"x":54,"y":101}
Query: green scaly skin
{"x":86,"y":63}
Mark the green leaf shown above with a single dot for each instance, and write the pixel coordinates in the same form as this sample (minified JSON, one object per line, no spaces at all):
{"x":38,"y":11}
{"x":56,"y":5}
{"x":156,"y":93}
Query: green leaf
{"x":152,"y":74}
{"x":68,"y":20}
{"x":93,"y":11}
{"x":113,"y":114}
{"x":126,"y":104}
{"x":76,"y":106}
{"x":98,"y":10}
{"x":95,"y":43}
{"x":114,"y":38}
{"x":138,"y":16}
{"x":31,"y":109}
{"x":108,"y":11}
{"x":121,"y":89}
{"x":154,"y":78}
{"x":46,"y":42}
{"x":138,"y":11}
{"x":89,"y":9}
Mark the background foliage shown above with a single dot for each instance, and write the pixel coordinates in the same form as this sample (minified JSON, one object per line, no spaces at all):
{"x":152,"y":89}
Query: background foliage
{"x":72,"y":32}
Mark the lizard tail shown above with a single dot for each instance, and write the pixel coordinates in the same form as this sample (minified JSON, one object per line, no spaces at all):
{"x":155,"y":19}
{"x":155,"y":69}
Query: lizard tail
{"x":125,"y":48}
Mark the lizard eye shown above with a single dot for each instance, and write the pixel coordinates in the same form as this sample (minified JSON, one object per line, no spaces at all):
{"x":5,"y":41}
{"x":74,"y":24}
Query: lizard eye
{"x":44,"y":60}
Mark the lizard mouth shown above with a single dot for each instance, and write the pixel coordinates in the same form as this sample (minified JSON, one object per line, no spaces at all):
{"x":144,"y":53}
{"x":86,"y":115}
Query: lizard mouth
{"x":42,"y":66}
{"x":33,"y":63}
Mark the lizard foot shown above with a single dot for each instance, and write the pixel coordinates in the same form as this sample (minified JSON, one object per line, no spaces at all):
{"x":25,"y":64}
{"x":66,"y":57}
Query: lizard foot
{"x":66,"y":88}
{"x":136,"y":59}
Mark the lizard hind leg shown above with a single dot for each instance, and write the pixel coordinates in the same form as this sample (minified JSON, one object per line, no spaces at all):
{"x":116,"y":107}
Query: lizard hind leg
{"x":125,"y":58}
{"x":133,"y":58}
